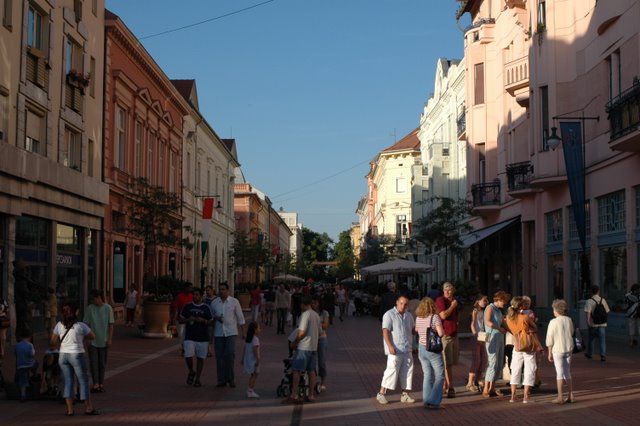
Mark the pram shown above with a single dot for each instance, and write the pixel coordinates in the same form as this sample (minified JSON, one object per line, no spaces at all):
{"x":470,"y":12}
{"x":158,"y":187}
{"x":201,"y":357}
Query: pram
{"x":284,"y":388}
{"x":51,"y":385}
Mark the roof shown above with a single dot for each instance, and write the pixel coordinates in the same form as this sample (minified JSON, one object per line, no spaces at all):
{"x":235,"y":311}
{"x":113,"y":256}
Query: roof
{"x":410,"y":141}
{"x":186,"y":88}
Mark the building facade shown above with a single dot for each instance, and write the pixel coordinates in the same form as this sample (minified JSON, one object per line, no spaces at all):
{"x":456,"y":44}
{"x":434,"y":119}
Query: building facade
{"x":208,"y":175}
{"x":143,"y":139}
{"x":52,"y":198}
{"x":295,"y":242}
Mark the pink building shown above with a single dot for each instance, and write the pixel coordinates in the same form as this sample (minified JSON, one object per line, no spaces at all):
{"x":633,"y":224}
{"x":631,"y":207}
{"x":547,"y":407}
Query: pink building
{"x":533,"y":66}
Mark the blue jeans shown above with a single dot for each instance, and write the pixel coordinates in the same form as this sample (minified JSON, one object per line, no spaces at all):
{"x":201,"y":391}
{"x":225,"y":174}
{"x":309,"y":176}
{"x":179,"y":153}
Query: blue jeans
{"x":74,"y":365}
{"x":225,"y":348}
{"x":597,"y":333}
{"x":433,"y":372}
{"x":322,"y":357}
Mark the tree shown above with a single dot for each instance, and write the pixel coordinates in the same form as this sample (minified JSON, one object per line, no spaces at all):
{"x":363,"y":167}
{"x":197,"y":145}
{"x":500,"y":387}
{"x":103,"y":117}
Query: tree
{"x":315,"y":248}
{"x":343,"y":254}
{"x":155,"y":217}
{"x":442,"y":227}
{"x":246,"y":253}
{"x":375,"y":250}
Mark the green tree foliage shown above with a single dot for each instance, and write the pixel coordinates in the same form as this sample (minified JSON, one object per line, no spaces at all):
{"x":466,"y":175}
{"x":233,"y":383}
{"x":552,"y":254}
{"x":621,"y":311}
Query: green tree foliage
{"x":247,"y":253}
{"x":315,"y":248}
{"x":375,"y":250}
{"x":343,"y":254}
{"x":443,"y":226}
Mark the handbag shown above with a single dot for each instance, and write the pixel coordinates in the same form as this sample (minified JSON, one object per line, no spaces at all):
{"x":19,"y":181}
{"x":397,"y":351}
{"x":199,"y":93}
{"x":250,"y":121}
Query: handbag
{"x":578,"y":343}
{"x":482,"y":336}
{"x":434,"y":342}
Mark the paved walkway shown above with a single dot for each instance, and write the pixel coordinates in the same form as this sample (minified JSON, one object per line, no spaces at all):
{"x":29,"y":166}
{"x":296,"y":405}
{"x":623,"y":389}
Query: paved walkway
{"x":146,"y":385}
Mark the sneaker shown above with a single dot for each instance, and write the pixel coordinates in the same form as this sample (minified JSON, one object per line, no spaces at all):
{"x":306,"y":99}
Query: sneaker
{"x":381,"y":399}
{"x":406,"y":398}
{"x":252,"y":394}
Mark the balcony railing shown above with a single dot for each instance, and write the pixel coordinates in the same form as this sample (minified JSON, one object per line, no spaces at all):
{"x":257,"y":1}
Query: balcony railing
{"x":461,"y":122}
{"x":516,"y":74}
{"x":624,"y":111}
{"x":519,"y":175}
{"x":486,"y":194}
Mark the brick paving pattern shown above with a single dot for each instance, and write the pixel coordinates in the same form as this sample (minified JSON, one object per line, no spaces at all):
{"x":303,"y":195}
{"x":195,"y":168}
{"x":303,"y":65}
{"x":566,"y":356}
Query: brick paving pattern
{"x":146,"y":385}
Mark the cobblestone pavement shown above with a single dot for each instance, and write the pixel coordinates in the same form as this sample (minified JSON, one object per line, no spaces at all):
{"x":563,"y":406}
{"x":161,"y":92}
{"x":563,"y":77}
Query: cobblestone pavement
{"x":146,"y":385}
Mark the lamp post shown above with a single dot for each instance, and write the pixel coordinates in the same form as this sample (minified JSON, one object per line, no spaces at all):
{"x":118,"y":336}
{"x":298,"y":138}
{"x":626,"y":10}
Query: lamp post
{"x":574,"y":148}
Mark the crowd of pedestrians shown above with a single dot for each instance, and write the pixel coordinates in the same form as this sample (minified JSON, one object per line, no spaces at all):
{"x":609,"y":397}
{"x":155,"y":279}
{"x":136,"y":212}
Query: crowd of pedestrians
{"x":435,"y":322}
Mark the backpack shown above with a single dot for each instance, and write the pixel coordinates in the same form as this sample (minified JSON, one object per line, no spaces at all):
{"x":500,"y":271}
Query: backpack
{"x":599,"y":314}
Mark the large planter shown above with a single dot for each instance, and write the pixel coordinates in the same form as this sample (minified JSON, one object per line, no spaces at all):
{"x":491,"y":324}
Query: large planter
{"x":157,"y":316}
{"x":245,"y":300}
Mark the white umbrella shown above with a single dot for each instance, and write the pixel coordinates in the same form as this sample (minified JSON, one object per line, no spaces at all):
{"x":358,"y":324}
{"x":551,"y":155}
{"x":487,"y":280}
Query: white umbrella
{"x":397,"y":266}
{"x":288,"y":277}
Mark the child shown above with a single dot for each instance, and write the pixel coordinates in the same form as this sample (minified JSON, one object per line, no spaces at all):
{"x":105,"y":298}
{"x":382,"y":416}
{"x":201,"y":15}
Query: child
{"x":526,"y":309}
{"x":251,"y":357}
{"x":478,"y":352}
{"x":25,"y":362}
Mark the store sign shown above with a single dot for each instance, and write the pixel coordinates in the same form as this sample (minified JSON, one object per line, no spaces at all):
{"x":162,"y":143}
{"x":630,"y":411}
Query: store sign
{"x":67,"y":260}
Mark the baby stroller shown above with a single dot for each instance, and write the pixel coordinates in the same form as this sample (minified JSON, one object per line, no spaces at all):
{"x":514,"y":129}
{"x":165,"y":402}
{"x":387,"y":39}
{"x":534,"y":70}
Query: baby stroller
{"x":51,"y":375}
{"x":284,"y":388}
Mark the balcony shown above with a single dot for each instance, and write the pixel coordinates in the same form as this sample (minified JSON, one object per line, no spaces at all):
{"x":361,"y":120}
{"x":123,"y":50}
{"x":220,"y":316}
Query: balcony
{"x":624,"y":119}
{"x":486,"y":194}
{"x":481,"y":31}
{"x":461,"y":123}
{"x":519,"y":177}
{"x":516,"y":77}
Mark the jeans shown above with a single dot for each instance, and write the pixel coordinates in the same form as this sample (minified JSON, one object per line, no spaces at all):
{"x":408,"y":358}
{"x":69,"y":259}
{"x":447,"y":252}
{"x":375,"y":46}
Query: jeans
{"x":322,"y":357}
{"x":433,"y":372}
{"x":597,"y":333}
{"x":282,"y":319}
{"x":225,"y":348}
{"x":74,"y":365}
{"x":98,"y":362}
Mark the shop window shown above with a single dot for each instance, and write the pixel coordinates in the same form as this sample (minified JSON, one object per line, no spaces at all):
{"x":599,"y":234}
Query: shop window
{"x":614,"y":273}
{"x":611,"y":213}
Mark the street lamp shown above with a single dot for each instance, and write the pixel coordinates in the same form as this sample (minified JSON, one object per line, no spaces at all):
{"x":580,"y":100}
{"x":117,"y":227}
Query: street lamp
{"x":574,"y":148}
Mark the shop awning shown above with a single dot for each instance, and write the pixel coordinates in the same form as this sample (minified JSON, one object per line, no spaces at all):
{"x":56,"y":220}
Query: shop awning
{"x":479,"y":235}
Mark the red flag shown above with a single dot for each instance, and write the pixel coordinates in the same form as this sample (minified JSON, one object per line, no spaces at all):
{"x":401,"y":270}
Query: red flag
{"x":207,"y":208}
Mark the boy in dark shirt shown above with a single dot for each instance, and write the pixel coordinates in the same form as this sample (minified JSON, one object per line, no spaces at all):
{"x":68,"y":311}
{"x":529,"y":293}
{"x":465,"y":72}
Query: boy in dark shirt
{"x":197,"y":318}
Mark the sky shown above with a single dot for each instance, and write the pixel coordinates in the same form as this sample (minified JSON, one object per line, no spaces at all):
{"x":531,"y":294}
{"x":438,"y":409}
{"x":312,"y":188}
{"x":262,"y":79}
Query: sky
{"x":312,"y":90}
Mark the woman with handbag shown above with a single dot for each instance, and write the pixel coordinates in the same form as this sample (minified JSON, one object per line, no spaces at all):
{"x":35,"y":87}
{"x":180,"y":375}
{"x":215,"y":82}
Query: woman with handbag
{"x":494,"y":345}
{"x":70,"y":334}
{"x":560,"y":344}
{"x":526,"y":345}
{"x":478,"y":353}
{"x":428,"y":326}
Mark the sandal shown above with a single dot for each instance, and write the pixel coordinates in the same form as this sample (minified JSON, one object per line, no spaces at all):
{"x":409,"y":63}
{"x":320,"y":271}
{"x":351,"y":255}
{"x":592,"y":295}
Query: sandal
{"x":486,"y":395}
{"x":472,"y":388}
{"x":93,"y":412}
{"x":557,"y":401}
{"x":570,"y":400}
{"x":498,"y":392}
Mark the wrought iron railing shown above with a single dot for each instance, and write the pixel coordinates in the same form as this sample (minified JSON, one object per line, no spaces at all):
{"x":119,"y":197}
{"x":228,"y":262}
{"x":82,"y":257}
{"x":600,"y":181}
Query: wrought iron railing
{"x":519,"y":175}
{"x":624,"y":111}
{"x":486,"y":194}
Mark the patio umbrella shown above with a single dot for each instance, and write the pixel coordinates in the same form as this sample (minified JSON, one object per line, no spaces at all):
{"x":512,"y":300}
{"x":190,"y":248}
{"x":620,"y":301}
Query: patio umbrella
{"x":288,"y":278}
{"x":401,"y":266}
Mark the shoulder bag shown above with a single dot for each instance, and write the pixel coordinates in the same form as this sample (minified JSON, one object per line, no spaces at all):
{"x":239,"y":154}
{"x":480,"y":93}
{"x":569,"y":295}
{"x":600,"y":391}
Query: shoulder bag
{"x":434,"y":342}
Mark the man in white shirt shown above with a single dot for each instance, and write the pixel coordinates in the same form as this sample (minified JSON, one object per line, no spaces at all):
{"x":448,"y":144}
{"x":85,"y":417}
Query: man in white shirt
{"x":228,"y":316}
{"x":596,"y":325}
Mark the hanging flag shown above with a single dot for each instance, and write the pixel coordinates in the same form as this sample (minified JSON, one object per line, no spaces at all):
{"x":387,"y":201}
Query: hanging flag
{"x":573,"y":148}
{"x":207,"y":208}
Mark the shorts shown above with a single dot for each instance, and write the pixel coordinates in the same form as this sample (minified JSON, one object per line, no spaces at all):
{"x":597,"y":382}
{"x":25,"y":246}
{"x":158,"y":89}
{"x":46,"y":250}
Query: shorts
{"x":199,"y":349}
{"x":305,"y":361}
{"x":450,"y":350}
{"x":562,"y":362}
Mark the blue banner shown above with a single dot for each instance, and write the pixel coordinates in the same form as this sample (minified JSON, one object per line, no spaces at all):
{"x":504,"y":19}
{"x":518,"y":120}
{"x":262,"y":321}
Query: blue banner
{"x":572,"y":146}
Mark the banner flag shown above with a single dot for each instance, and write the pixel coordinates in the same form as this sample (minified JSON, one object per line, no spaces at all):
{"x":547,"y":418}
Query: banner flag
{"x":207,"y":208}
{"x":572,"y":145}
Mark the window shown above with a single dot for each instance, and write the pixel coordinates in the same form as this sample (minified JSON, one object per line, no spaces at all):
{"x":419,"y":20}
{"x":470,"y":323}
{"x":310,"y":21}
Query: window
{"x":401,"y":228}
{"x":94,"y":7}
{"x":92,"y":77}
{"x":4,"y":117}
{"x":37,"y":47}
{"x":120,"y":142}
{"x":208,"y":182}
{"x":150,"y":160}
{"x":482,"y":164}
{"x":90,"y":158}
{"x":401,"y":184}
{"x":478,"y":84}
{"x":615,"y":74}
{"x":35,"y":130}
{"x":445,"y":150}
{"x":161,"y":175}
{"x":198,"y":165}
{"x":6,"y":16}
{"x":573,"y":229}
{"x":611,"y":214}
{"x":554,"y":226}
{"x":137,"y":161}
{"x":614,"y":272}
{"x":187,"y":174}
{"x":71,"y":149}
{"x":544,"y":114}
{"x":77,"y":9}
{"x":172,"y":171}
{"x":542,"y":15}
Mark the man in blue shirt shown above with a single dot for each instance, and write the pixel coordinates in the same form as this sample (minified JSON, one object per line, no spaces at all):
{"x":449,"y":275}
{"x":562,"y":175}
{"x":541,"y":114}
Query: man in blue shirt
{"x":397,"y":332}
{"x":197,"y":318}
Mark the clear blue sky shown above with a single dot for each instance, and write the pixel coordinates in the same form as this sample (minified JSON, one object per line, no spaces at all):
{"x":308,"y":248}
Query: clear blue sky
{"x":311,"y":90}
